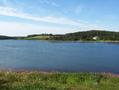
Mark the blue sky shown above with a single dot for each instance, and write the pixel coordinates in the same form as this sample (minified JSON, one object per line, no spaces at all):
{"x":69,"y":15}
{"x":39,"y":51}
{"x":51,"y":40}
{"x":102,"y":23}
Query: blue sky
{"x":23,"y":17}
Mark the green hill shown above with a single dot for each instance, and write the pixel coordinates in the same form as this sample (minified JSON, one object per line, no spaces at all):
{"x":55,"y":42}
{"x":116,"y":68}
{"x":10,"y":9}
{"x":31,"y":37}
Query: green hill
{"x":94,"y":35}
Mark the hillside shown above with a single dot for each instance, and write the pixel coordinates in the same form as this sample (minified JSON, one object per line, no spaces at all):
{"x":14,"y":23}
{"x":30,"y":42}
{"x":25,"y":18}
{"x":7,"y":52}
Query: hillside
{"x":93,"y":35}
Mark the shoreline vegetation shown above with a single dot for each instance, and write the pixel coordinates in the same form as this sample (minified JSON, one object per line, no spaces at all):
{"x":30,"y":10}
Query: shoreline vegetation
{"x":34,"y":80}
{"x":84,"y":36}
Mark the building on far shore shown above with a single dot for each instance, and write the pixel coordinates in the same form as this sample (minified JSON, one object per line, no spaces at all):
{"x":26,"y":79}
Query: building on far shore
{"x":95,"y":38}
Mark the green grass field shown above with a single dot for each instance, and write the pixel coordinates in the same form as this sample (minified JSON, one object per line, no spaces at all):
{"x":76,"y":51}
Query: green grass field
{"x":37,"y":38}
{"x":57,"y":81}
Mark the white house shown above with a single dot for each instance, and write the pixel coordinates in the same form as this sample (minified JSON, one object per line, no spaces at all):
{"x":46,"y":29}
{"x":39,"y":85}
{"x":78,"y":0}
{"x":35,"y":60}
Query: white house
{"x":95,"y":38}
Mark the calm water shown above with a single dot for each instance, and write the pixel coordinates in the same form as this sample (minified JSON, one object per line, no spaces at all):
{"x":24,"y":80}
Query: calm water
{"x":59,"y":56}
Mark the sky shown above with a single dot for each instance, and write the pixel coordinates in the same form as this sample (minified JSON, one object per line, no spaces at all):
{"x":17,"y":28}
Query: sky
{"x":24,"y":17}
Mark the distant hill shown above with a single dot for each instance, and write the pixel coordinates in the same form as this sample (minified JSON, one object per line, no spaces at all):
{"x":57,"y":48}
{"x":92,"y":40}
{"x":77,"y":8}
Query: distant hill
{"x":5,"y":37}
{"x":92,"y":35}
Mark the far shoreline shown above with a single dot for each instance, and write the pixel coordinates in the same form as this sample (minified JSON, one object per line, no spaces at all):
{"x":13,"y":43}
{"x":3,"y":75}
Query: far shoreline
{"x":100,"y":41}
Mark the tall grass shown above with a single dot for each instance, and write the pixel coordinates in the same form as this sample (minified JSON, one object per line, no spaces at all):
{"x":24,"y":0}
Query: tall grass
{"x":57,"y":81}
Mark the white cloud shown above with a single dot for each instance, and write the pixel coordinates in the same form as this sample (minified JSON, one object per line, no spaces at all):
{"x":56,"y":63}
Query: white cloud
{"x":6,"y":11}
{"x":23,"y":29}
{"x":12,"y":12}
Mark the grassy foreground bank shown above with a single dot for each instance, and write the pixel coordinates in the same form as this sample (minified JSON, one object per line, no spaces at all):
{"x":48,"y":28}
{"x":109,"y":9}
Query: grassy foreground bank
{"x":57,"y":81}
